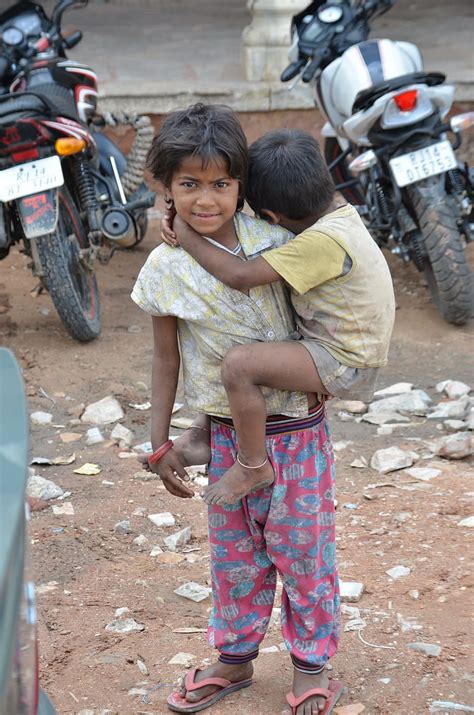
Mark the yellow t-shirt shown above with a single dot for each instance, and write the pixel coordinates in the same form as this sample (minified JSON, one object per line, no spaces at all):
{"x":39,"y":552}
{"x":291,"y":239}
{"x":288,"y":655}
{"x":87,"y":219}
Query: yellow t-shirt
{"x":347,"y":307}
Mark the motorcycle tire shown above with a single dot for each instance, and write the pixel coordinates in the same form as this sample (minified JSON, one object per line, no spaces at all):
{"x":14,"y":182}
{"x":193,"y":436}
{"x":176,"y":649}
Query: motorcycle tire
{"x":446,"y":269}
{"x":340,"y":173}
{"x":71,"y":285}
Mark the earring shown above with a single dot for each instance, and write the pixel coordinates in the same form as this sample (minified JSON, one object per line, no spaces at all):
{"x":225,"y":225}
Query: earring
{"x":169,"y":202}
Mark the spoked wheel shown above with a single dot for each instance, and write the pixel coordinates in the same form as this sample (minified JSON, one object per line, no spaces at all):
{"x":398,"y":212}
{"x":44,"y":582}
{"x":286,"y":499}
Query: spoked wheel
{"x":70,"y":282}
{"x":340,"y":172}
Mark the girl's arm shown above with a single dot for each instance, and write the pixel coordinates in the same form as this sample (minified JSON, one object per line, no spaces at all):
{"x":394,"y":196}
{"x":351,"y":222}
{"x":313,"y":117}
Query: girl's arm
{"x":165,"y":371}
{"x":231,"y":270}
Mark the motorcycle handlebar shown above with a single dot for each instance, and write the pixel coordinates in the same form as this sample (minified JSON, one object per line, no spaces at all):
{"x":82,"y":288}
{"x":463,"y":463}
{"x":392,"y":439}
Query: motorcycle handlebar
{"x":292,"y":70}
{"x":313,"y":66}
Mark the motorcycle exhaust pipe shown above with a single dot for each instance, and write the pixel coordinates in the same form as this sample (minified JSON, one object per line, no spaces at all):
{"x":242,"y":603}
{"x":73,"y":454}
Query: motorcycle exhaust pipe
{"x":118,"y":227}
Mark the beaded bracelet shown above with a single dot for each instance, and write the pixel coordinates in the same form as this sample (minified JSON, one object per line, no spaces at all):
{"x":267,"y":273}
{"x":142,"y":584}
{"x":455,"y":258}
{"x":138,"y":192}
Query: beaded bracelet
{"x":160,"y":452}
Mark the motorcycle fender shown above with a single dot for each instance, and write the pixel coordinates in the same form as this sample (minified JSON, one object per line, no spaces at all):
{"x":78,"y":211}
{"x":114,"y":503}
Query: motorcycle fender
{"x":328,"y":131}
{"x":39,"y":213}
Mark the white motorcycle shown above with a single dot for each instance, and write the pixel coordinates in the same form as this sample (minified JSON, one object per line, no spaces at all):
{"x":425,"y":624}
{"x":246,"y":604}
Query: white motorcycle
{"x":388,"y":143}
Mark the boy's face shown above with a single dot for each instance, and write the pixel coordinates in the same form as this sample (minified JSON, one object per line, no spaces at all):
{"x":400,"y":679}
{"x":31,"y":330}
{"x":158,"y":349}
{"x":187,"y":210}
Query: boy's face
{"x":206,"y":198}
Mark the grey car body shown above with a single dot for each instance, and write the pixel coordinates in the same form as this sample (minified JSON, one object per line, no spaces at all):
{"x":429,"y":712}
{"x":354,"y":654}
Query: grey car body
{"x":19,"y":694}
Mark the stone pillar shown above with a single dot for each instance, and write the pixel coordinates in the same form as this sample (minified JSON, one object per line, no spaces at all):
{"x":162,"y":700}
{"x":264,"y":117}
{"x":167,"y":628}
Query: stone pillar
{"x":266,"y":40}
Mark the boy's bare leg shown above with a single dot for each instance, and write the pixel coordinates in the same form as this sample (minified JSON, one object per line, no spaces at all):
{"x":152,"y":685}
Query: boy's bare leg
{"x":194,"y":445}
{"x":285,"y":366}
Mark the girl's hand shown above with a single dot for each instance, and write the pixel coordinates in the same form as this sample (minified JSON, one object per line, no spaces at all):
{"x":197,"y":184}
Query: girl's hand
{"x":171,"y":472}
{"x":168,"y":236}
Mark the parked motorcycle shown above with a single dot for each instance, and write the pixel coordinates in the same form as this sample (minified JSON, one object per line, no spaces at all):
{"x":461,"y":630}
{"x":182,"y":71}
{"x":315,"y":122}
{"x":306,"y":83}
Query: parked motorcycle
{"x":388,"y":143}
{"x":67,"y":193}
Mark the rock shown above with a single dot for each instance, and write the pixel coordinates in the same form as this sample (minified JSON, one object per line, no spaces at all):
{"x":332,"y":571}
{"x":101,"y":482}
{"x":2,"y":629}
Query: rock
{"x":468,"y":521}
{"x":41,"y":418}
{"x":424,"y":474}
{"x":193,"y":591}
{"x":122,"y":436}
{"x":156,"y":550}
{"x":429,"y":649}
{"x":453,"y":388}
{"x":390,"y":459}
{"x":169,"y":557}
{"x":351,"y":591}
{"x":354,"y":407}
{"x":88,"y":469}
{"x":180,"y":538}
{"x":141,"y":541}
{"x":122,"y":527}
{"x":66,"y":509}
{"x":338,"y":446}
{"x":352,"y":709}
{"x":346,"y":416}
{"x":162,"y":519}
{"x":181,"y":422}
{"x":103,"y":412}
{"x":398,"y":572}
{"x":359,"y":463}
{"x":408,"y":624}
{"x":125,"y":625}
{"x":402,"y":516}
{"x":184,"y":659}
{"x":399,"y":388}
{"x":201,"y":481}
{"x":381,"y":418}
{"x":67,"y":437}
{"x":41,"y":488}
{"x":144,"y":448}
{"x":470,"y":420}
{"x":355,"y":624}
{"x":94,"y":436}
{"x":443,"y":706}
{"x":456,"y":409}
{"x":414,"y":593}
{"x":454,"y":446}
{"x":384,"y":430}
{"x":46,"y":587}
{"x":454,"y":425}
{"x":416,"y":402}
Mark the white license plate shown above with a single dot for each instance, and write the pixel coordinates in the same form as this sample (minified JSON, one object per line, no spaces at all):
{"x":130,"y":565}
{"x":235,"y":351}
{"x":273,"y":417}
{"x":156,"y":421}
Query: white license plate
{"x":421,"y":164}
{"x":31,"y":178}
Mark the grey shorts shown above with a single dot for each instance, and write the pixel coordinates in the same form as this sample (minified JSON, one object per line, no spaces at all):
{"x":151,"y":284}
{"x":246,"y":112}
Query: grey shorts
{"x":347,"y":383}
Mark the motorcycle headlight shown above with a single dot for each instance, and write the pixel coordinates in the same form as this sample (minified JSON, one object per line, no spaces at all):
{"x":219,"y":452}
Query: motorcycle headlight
{"x":406,"y":107}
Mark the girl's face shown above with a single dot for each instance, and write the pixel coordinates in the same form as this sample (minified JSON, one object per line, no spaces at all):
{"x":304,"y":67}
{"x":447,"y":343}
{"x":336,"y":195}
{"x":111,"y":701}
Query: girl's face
{"x":206,"y":198}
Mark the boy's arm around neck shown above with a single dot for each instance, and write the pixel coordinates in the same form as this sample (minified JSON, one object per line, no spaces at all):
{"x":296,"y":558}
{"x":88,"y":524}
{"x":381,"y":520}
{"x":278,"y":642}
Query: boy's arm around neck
{"x":230,"y":270}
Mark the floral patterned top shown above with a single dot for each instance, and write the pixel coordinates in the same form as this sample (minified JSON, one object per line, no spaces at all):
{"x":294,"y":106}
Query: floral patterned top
{"x":212,"y":318}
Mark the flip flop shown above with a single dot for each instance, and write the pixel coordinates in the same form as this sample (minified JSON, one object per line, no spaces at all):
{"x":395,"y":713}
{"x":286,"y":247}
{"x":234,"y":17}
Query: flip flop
{"x":332,"y":695}
{"x":180,"y":705}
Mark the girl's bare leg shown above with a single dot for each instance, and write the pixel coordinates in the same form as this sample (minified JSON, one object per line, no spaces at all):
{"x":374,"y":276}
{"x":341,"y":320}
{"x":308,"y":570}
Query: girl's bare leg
{"x":284,"y":366}
{"x":194,"y":445}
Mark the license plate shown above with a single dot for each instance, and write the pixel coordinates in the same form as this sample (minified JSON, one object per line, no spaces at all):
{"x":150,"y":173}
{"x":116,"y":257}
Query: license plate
{"x":31,"y":178}
{"x":420,"y":164}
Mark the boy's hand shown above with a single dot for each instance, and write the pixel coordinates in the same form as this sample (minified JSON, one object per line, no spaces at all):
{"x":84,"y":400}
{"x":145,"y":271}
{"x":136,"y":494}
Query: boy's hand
{"x":168,"y":236}
{"x":171,"y":472}
{"x":184,"y":233}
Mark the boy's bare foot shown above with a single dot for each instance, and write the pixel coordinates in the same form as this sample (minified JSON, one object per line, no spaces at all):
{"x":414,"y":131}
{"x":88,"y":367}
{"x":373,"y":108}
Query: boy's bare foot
{"x":302,"y":682}
{"x":237,"y":482}
{"x":234,"y":673}
{"x":193,"y":447}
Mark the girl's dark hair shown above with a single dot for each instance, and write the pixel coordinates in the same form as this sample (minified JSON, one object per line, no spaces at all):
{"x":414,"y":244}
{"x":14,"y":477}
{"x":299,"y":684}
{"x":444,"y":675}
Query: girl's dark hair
{"x":207,"y":131}
{"x":288,"y":175}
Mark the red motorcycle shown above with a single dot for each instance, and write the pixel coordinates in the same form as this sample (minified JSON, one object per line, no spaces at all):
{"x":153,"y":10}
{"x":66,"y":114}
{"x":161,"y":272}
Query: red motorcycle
{"x":67,"y":193}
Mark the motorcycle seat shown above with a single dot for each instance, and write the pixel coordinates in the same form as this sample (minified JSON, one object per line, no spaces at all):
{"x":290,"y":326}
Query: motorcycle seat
{"x":367,"y":97}
{"x":20,"y":107}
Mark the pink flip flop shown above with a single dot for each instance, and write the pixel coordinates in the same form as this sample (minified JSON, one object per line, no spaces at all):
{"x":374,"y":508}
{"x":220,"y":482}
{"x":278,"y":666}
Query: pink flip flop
{"x":180,"y":705}
{"x":332,"y":695}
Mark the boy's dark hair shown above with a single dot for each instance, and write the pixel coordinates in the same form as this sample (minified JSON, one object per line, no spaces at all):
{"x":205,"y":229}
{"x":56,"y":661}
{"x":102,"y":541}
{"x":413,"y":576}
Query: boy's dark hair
{"x":288,"y":175}
{"x":208,"y":131}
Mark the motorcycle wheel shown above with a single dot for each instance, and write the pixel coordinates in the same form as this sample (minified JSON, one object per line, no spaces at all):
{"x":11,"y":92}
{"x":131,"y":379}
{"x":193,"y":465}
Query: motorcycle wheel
{"x":446,"y":269}
{"x":71,"y":285}
{"x":340,"y":173}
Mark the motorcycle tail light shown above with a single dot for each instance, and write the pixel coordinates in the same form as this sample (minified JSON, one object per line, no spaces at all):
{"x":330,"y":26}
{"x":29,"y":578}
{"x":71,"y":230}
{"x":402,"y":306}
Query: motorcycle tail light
{"x":406,"y":101}
{"x":363,"y":162}
{"x":66,"y":147}
{"x":461,"y":121}
{"x":20,"y":157}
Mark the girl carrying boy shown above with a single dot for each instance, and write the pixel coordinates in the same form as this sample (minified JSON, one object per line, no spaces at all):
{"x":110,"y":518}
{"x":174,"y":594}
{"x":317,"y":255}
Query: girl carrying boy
{"x":200,"y":156}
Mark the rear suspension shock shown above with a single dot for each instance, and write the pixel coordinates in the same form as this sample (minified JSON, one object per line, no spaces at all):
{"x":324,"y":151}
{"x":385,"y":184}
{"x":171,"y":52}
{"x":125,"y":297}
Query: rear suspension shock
{"x":86,"y":193}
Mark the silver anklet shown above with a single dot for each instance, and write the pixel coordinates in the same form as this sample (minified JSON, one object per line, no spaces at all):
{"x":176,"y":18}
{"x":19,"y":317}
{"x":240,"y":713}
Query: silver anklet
{"x":204,"y":429}
{"x":247,"y":466}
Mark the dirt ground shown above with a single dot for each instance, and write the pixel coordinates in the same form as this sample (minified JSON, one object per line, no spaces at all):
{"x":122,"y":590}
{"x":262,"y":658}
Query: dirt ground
{"x":85,"y":570}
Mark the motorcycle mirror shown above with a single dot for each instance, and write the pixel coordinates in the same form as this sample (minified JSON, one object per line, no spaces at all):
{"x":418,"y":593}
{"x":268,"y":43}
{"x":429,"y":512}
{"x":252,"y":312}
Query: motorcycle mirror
{"x":73,"y":39}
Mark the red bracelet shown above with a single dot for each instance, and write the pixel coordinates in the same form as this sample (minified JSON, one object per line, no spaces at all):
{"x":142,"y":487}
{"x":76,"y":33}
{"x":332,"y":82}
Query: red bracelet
{"x":160,"y":452}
